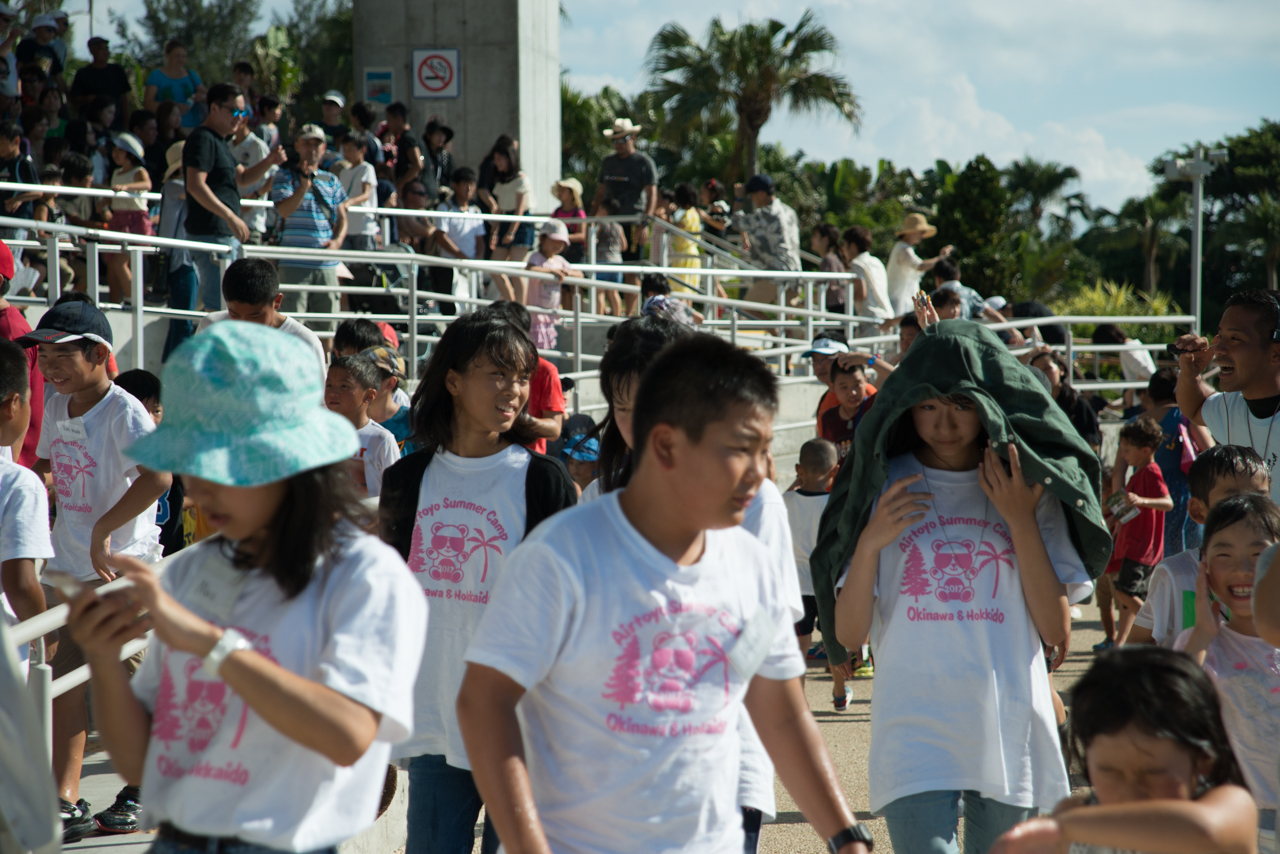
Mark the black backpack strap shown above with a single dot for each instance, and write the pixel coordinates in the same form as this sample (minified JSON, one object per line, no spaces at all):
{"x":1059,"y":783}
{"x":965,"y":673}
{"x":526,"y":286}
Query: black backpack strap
{"x":548,"y":489}
{"x":398,"y":504}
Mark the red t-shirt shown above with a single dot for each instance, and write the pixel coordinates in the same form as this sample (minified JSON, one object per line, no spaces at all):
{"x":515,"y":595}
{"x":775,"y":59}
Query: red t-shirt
{"x":545,"y":397}
{"x":13,"y":326}
{"x":1142,"y":539}
{"x":840,"y":430}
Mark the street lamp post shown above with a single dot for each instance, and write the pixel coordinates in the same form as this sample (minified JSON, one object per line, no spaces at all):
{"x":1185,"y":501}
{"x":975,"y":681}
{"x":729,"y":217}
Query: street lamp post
{"x":1195,"y":170}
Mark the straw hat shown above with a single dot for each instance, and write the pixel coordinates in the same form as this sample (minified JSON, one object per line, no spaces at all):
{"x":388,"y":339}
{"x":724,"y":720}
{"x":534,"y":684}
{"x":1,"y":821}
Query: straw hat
{"x":242,"y":409}
{"x":572,"y":183}
{"x":173,"y":157}
{"x":622,"y":127}
{"x":916,"y":222}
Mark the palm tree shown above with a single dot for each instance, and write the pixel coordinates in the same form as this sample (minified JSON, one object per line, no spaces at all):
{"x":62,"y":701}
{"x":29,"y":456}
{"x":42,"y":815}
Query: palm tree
{"x":1150,"y":225}
{"x":749,"y":71}
{"x":1259,"y":230}
{"x":1032,"y":185}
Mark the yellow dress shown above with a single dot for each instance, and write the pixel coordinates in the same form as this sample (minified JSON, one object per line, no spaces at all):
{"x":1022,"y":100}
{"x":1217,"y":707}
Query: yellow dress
{"x":684,"y":252}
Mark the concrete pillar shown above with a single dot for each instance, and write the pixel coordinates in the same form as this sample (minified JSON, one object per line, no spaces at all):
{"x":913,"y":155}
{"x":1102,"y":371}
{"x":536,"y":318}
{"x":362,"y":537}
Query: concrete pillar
{"x":509,"y":73}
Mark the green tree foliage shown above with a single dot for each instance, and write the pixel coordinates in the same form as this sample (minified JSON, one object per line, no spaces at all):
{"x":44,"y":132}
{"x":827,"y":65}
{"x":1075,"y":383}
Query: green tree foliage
{"x":1257,"y":232}
{"x":1118,"y":300}
{"x":749,"y":71}
{"x":276,"y":69}
{"x":320,"y":32}
{"x":216,"y":33}
{"x":1150,"y":225}
{"x":972,"y":211}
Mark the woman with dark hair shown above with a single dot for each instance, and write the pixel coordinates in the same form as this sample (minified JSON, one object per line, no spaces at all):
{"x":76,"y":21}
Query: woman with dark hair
{"x":1183,"y":442}
{"x":824,"y":240}
{"x":510,"y":240}
{"x":684,"y":252}
{"x":1054,"y":366}
{"x":169,"y":125}
{"x":455,"y":510}
{"x":715,"y":210}
{"x":83,"y":139}
{"x":284,"y":645}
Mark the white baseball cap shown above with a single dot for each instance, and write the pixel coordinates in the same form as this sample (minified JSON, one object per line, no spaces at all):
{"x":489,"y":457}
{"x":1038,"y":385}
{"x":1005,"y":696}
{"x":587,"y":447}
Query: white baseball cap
{"x":335,"y":96}
{"x":43,"y":21}
{"x":996,"y":303}
{"x":826,"y":347}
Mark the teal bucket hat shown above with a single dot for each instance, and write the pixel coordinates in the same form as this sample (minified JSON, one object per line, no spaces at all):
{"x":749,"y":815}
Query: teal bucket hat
{"x":242,"y":407}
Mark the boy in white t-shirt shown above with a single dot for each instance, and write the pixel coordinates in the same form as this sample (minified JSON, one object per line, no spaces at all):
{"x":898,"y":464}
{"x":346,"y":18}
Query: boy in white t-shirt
{"x":361,"y":184}
{"x":1170,"y":606}
{"x":351,"y":386}
{"x":24,"y":504}
{"x":106,"y":503}
{"x":819,"y":462}
{"x":629,"y":629}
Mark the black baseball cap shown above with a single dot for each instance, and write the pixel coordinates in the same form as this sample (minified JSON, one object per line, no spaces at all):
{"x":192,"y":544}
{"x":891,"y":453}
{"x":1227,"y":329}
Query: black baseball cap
{"x":70,"y":321}
{"x":759,"y":184}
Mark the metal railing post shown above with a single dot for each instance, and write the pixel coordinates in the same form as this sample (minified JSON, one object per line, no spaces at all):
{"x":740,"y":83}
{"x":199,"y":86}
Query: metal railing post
{"x":135,"y":259}
{"x":808,"y":304}
{"x":850,"y":309}
{"x":592,"y":230}
{"x":577,"y":342}
{"x":413,"y":321}
{"x":224,"y":261}
{"x":91,"y":269}
{"x":733,"y":327}
{"x":40,"y":685}
{"x":1071,"y":357}
{"x":53,"y":270}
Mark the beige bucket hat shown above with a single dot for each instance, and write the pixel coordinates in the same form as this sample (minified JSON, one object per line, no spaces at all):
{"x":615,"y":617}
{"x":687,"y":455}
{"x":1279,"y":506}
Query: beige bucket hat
{"x":916,"y":222}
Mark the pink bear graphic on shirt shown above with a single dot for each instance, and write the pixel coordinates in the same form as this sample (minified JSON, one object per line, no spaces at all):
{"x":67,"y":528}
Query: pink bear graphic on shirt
{"x":447,"y":551}
{"x":953,"y":570}
{"x":71,"y":464}
{"x":203,"y":708}
{"x":672,"y":672}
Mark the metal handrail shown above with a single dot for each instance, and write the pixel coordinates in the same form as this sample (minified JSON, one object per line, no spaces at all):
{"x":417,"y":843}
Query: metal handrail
{"x":98,"y":192}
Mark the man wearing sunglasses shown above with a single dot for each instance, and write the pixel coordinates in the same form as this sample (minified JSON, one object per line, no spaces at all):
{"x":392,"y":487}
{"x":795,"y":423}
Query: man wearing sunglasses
{"x":214,"y":178}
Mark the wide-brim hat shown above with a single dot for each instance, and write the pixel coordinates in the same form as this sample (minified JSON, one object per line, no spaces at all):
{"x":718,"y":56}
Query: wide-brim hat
{"x":131,"y":144}
{"x":243,"y":408}
{"x":569,"y":183}
{"x":438,"y":125}
{"x":173,"y":157}
{"x":916,"y":222}
{"x":621,"y":127}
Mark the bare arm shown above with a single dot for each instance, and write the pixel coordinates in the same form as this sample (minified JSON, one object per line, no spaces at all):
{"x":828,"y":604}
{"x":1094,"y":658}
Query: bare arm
{"x":1223,"y":820}
{"x":1266,"y":607}
{"x":356,"y":201}
{"x":787,"y":729}
{"x":141,"y":495}
{"x":199,"y":192}
{"x":487,"y":717}
{"x":548,"y":427}
{"x":1016,"y":502}
{"x":287,"y":206}
{"x":339,"y":228}
{"x":598,"y":198}
{"x":18,"y":581}
{"x":1190,"y":392}
{"x":248,"y":175}
{"x":414,"y":168}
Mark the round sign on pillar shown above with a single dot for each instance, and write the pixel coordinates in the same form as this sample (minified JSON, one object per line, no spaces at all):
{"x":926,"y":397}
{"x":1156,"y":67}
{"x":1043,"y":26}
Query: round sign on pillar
{"x":436,"y":73}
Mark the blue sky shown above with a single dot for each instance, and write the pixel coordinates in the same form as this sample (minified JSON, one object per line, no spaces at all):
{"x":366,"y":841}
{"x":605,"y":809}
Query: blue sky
{"x":1103,"y":85}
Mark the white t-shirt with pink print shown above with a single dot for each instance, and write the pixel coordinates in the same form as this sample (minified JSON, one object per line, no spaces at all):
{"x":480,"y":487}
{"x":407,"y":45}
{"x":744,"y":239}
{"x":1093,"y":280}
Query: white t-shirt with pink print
{"x":631,"y":717}
{"x":962,"y":699}
{"x":215,"y":767}
{"x":91,"y":473}
{"x":471,"y":514}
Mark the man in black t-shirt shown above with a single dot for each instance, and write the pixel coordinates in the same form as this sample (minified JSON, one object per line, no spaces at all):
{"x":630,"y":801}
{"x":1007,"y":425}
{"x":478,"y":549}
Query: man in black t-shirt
{"x":631,"y":177}
{"x":103,"y":77}
{"x":408,"y":150}
{"x":213,"y":181}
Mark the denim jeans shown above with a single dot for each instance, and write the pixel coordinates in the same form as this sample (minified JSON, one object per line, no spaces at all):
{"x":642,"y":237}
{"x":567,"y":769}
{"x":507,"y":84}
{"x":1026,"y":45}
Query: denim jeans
{"x":321,"y":302}
{"x":928,"y":822}
{"x":172,"y":846}
{"x":443,"y":807}
{"x":183,"y":284}
{"x":208,"y":269}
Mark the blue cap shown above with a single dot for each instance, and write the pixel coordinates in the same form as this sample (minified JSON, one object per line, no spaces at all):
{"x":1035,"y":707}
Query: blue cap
{"x":582,"y":449}
{"x":760,"y":184}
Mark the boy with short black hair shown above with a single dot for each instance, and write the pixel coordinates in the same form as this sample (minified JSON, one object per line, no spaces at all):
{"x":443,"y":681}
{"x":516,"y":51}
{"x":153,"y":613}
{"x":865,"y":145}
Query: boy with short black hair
{"x":351,"y":386}
{"x":1139,"y":543}
{"x":840,"y":422}
{"x":948,"y":304}
{"x":629,"y":631}
{"x":1170,"y":606}
{"x":251,"y":290}
{"x":819,"y":462}
{"x":106,"y":502}
{"x":24,"y":503}
{"x":355,"y":335}
{"x":145,"y":386}
{"x":360,"y":182}
{"x":17,"y":168}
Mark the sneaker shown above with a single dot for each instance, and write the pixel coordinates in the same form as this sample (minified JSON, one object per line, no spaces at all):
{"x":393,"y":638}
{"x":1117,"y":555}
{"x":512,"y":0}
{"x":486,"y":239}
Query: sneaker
{"x":124,"y":814}
{"x":76,"y":821}
{"x":842,"y":703}
{"x":818,"y":652}
{"x":865,"y":670}
{"x":1104,"y":646}
{"x":1076,"y":613}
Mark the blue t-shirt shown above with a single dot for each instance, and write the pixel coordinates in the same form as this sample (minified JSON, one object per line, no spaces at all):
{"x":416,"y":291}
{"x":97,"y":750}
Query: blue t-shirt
{"x":310,"y":226}
{"x":973,"y":301}
{"x":399,"y":426}
{"x":179,"y":91}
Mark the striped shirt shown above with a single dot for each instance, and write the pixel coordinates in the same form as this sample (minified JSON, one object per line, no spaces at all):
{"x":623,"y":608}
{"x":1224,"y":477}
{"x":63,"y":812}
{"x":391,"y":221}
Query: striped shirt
{"x":310,"y":226}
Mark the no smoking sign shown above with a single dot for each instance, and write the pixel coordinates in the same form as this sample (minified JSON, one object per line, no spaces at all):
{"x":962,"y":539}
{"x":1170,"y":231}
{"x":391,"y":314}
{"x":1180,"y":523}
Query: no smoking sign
{"x":436,"y":73}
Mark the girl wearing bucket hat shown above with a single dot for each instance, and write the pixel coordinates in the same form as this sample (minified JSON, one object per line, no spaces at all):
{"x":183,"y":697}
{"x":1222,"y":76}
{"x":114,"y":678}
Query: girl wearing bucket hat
{"x":455,"y":510}
{"x":128,"y":213}
{"x":278,"y":674}
{"x":553,"y":238}
{"x":905,"y":267}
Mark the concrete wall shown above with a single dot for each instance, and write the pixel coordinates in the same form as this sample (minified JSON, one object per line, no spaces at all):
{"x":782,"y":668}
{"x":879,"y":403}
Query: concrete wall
{"x":510,"y":73}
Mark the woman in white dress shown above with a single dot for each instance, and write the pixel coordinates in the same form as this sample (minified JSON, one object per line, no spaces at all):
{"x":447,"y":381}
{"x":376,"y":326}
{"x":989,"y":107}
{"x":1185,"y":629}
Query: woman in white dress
{"x":905,"y":267}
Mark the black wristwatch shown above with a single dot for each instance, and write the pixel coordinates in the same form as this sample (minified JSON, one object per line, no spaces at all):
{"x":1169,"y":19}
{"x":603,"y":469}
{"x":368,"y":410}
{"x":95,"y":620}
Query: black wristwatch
{"x":852,"y":833}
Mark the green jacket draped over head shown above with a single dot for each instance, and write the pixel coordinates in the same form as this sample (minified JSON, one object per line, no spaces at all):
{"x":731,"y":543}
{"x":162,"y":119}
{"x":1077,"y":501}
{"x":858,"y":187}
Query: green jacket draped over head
{"x":959,"y":357}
